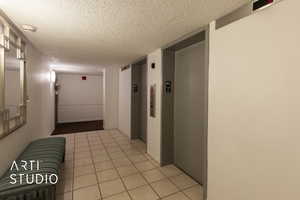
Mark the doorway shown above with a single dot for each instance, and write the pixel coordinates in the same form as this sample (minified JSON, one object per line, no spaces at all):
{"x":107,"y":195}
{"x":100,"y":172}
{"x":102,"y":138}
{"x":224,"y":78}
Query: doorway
{"x":78,"y":103}
{"x":139,"y":101}
{"x":185,"y":106}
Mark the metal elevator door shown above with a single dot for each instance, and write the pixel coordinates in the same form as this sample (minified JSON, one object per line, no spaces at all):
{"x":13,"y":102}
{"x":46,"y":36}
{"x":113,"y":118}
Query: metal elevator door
{"x":139,"y":102}
{"x":189,"y":110}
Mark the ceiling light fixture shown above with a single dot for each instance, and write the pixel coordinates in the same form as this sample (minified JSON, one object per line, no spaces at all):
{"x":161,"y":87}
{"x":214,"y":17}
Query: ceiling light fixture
{"x":30,"y":28}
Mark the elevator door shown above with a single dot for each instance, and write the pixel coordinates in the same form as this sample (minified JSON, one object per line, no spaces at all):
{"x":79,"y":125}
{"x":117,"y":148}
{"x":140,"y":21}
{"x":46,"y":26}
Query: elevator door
{"x":189,"y":110}
{"x":139,"y":102}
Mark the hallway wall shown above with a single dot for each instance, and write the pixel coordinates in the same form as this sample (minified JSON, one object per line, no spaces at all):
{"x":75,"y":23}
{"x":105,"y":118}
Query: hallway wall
{"x":111,"y":97}
{"x":253,"y":137}
{"x":80,"y":100}
{"x":154,"y":123}
{"x":40,"y":120}
{"x":125,"y":101}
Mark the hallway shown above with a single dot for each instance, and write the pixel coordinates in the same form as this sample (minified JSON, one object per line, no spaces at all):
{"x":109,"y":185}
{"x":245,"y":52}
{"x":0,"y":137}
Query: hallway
{"x":149,"y":100}
{"x":106,"y":165}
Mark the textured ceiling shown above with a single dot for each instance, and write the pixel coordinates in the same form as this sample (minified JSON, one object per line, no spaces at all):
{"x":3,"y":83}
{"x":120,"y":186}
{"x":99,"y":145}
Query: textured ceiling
{"x":110,"y":32}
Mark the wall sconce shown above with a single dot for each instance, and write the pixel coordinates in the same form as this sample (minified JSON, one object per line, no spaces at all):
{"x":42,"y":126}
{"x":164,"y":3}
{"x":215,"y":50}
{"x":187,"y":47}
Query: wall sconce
{"x":53,"y":76}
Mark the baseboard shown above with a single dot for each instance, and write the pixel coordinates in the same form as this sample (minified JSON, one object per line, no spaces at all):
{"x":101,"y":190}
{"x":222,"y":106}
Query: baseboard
{"x":81,"y":120}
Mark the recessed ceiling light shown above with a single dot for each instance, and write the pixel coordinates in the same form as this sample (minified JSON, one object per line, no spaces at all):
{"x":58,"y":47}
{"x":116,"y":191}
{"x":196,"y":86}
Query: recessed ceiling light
{"x":30,"y":28}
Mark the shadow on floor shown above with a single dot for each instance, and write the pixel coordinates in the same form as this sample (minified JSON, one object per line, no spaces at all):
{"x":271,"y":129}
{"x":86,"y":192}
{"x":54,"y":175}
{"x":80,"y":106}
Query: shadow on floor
{"x":75,"y":127}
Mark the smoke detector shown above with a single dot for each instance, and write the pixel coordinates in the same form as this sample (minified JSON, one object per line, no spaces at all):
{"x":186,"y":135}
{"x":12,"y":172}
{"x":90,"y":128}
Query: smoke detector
{"x":30,"y":28}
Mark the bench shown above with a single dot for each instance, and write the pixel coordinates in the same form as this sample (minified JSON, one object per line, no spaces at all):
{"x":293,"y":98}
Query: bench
{"x":50,"y":153}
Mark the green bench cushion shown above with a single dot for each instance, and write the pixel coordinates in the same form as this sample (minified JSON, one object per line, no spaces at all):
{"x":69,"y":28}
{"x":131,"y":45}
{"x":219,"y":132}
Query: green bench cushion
{"x":49,"y":151}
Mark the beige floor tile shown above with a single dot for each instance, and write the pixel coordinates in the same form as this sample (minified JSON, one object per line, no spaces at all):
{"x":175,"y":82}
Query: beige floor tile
{"x":105,"y":155}
{"x":80,"y":149}
{"x":153,"y":175}
{"x":70,"y":147}
{"x":107,"y":175}
{"x":122,"y":196}
{"x":194,"y":193}
{"x":81,"y":145}
{"x":82,"y":155}
{"x":120,"y":162}
{"x":164,"y":187}
{"x":69,"y":157}
{"x":130,"y":151}
{"x":143,"y":193}
{"x":113,"y":149}
{"x":144,"y":166}
{"x":88,"y":193}
{"x":97,"y":159}
{"x":125,"y":145}
{"x":127,"y":170}
{"x":111,"y":145}
{"x":95,"y":141}
{"x":170,"y":170}
{"x":155,"y":163}
{"x":84,"y":170}
{"x":143,"y":150}
{"x":68,"y":164}
{"x":111,"y":187}
{"x":183,"y":181}
{"x":86,"y":180}
{"x":177,"y":196}
{"x":134,"y":181}
{"x":108,"y":140}
{"x":66,"y":173}
{"x":138,"y":158}
{"x":69,"y":151}
{"x":65,"y":196}
{"x":99,"y":152}
{"x":64,"y":186}
{"x":97,"y":148}
{"x":117,"y":155}
{"x":83,"y":162}
{"x":104,"y":166}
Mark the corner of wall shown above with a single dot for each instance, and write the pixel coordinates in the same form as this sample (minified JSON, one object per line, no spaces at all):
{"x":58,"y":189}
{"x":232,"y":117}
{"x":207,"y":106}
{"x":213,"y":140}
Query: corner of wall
{"x":111,"y":97}
{"x":124,"y":122}
{"x":154,"y":124}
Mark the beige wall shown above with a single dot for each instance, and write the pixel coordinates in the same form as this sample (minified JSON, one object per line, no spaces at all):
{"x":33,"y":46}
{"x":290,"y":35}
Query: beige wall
{"x":254,"y":107}
{"x":40,"y":119}
{"x":125,"y":101}
{"x":154,"y":124}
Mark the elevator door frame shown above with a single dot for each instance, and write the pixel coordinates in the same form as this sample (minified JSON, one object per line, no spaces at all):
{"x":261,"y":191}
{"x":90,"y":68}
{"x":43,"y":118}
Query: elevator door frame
{"x":167,"y":114}
{"x":135,"y":108}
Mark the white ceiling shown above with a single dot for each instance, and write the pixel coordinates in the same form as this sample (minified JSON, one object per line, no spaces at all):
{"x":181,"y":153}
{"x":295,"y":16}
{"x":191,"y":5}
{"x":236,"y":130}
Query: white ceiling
{"x":100,"y":33}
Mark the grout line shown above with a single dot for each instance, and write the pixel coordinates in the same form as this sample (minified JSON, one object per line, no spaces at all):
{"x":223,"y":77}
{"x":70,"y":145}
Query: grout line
{"x":73,"y":161}
{"x":140,"y":173}
{"x":120,"y":177}
{"x":118,"y":145}
{"x":93,"y":164}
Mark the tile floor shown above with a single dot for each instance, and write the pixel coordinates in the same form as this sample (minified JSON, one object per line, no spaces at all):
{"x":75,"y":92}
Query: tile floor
{"x":106,"y":165}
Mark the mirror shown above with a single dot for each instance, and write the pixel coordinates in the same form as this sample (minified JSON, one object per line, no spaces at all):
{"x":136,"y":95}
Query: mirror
{"x":12,"y":80}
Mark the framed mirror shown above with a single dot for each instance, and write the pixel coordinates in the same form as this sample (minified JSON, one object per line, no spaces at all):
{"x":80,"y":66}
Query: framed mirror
{"x":12,"y":80}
